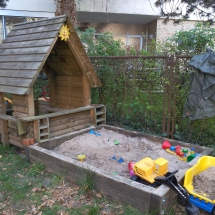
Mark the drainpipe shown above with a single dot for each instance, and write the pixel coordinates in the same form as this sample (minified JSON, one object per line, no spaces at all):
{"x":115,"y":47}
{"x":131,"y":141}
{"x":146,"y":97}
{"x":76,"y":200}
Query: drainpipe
{"x":146,"y":40}
{"x":4,"y":28}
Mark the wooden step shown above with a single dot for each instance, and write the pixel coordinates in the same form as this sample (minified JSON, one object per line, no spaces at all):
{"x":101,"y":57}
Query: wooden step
{"x":43,"y":126}
{"x":100,"y":113}
{"x":44,"y":134}
{"x":100,"y":120}
{"x":44,"y":140}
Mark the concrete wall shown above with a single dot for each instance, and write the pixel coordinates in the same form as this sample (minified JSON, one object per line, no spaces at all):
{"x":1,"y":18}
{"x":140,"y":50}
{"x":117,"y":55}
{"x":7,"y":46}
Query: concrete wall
{"x":120,"y":6}
{"x":32,"y":8}
{"x":129,"y":34}
{"x":167,"y":30}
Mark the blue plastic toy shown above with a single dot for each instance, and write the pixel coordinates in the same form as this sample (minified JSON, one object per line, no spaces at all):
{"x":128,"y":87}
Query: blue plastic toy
{"x":93,"y":132}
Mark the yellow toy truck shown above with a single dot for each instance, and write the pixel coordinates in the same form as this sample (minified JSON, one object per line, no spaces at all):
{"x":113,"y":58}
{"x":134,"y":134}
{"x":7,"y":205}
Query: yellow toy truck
{"x":155,"y":173}
{"x":148,"y":169}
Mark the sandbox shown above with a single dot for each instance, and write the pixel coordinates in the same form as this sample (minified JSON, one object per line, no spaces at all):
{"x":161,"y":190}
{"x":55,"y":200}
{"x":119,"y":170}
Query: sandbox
{"x":107,"y":157}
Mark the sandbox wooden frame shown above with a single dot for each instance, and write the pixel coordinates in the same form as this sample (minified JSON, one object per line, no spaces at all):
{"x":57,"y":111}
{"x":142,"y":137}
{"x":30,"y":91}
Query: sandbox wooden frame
{"x":146,"y":199}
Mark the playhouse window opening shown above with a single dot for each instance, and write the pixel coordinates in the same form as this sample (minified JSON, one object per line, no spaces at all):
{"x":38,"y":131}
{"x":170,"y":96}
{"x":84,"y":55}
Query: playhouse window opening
{"x":8,"y":104}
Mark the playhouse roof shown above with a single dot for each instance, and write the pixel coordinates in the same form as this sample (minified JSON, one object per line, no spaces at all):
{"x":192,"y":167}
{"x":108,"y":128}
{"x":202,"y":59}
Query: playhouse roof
{"x":27,"y":48}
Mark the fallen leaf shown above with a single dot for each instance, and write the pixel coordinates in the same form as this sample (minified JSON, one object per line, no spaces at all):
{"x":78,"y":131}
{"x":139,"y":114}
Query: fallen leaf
{"x":98,"y":195}
{"x":35,"y":189}
{"x":43,"y":204}
{"x":20,"y":176}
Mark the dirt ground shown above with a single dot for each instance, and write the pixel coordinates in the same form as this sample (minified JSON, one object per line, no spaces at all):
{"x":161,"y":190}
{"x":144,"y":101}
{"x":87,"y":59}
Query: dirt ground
{"x":107,"y":150}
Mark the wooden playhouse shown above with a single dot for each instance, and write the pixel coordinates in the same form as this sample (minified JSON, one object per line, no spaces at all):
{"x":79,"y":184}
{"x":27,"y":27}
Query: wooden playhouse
{"x":53,"y":46}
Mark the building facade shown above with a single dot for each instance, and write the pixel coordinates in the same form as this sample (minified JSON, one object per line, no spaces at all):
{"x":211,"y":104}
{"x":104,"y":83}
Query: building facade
{"x":134,"y":22}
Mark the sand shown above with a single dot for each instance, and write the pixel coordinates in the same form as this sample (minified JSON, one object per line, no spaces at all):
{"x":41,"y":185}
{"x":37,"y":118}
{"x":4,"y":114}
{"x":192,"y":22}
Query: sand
{"x":204,"y":182}
{"x":102,"y":152}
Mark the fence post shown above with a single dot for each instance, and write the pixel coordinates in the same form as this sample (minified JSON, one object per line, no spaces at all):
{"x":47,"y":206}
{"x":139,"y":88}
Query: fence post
{"x":168,"y":124}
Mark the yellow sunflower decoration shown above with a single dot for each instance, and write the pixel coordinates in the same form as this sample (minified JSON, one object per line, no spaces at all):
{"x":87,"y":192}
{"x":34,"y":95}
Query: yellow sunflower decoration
{"x":64,"y":32}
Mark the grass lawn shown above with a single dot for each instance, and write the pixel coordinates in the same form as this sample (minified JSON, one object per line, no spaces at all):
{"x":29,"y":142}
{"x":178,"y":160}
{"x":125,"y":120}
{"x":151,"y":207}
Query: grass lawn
{"x":27,"y":189}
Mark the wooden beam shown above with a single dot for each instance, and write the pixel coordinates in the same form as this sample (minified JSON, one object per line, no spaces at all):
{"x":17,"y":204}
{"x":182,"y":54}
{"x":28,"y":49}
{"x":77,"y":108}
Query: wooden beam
{"x":5,"y":135}
{"x":86,"y":91}
{"x":52,"y":87}
{"x":93,"y":117}
{"x":50,"y":115}
{"x":6,"y":117}
{"x":21,"y":126}
{"x":30,"y":98}
{"x":37,"y":130}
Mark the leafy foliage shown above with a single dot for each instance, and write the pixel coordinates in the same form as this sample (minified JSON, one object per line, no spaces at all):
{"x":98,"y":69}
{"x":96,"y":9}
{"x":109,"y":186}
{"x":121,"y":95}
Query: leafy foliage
{"x":182,"y":9}
{"x":102,"y":45}
{"x":3,"y":3}
{"x":194,"y":41}
{"x":38,"y":86}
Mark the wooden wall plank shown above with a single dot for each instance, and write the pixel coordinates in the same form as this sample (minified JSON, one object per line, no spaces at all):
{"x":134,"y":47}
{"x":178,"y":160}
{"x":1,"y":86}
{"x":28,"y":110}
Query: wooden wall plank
{"x":27,"y":50}
{"x":19,"y":114}
{"x":44,"y":106}
{"x":43,"y":101}
{"x":65,"y":88}
{"x":69,"y":118}
{"x":70,"y":97}
{"x":19,"y":97}
{"x":65,"y":102}
{"x":20,"y":109}
{"x":19,"y":102}
{"x":63,"y":52}
{"x":13,"y":131}
{"x":74,"y":92}
{"x":18,"y":138}
{"x":73,"y":66}
{"x":69,"y":125}
{"x":61,"y":58}
{"x":12,"y":124}
{"x":75,"y":77}
{"x":70,"y":82}
{"x":68,"y":130}
{"x":59,"y":117}
{"x":16,"y":143}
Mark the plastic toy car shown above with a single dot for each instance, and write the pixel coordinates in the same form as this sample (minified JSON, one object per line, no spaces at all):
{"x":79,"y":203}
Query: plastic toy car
{"x":198,"y":199}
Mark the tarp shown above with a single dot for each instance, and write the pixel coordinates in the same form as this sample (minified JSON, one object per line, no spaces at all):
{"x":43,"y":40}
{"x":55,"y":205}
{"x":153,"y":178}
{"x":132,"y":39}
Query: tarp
{"x":200,"y":103}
